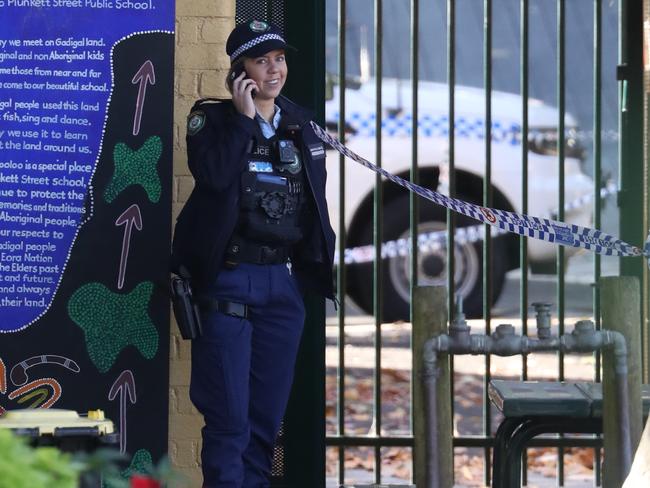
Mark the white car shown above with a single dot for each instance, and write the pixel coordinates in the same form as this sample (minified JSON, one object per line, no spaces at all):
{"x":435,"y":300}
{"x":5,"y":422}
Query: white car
{"x":433,"y":156}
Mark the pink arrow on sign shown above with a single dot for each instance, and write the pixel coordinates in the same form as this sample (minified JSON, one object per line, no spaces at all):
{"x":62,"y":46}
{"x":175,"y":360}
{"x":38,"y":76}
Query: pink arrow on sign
{"x":124,"y":386}
{"x":129,"y":218}
{"x":145,"y":74}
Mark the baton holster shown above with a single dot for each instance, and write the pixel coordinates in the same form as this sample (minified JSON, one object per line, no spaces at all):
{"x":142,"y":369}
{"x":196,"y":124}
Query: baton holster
{"x":185,"y":309}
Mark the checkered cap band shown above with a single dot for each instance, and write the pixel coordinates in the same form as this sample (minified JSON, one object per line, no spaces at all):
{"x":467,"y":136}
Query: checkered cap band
{"x":254,"y":42}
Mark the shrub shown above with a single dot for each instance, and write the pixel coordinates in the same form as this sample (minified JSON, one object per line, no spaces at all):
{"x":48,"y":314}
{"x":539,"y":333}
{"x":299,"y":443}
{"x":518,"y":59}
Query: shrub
{"x":22,"y":466}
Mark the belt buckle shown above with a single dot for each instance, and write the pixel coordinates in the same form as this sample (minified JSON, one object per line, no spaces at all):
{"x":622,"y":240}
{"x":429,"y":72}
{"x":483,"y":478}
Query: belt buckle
{"x":234,"y":309}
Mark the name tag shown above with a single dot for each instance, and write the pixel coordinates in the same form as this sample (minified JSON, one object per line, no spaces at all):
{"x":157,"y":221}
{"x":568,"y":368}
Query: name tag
{"x":260,"y":167}
{"x":317,"y":151}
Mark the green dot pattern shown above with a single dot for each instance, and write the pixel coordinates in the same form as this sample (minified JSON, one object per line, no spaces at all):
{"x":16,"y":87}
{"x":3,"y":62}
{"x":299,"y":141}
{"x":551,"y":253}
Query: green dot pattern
{"x":141,"y":463}
{"x":112,"y":321}
{"x":136,"y":167}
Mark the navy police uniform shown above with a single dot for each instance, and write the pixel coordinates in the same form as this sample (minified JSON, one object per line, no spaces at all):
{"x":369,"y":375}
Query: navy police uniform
{"x":254,"y":236}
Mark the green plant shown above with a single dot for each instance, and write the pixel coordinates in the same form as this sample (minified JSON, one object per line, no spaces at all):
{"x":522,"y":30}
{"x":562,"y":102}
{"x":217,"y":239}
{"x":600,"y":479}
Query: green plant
{"x":143,"y":473}
{"x":22,"y":466}
{"x":102,"y":464}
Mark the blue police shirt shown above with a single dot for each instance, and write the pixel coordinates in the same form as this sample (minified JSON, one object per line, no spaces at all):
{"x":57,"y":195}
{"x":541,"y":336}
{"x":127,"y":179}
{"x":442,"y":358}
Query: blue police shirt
{"x":268,"y":130}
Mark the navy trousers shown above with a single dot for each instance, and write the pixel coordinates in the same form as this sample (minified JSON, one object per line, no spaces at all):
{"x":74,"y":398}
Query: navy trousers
{"x":242,"y":371}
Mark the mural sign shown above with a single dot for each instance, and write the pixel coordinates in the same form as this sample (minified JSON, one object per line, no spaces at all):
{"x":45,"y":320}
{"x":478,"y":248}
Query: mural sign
{"x":86,"y":107}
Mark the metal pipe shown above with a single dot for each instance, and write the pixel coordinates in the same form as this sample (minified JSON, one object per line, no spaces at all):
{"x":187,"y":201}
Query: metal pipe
{"x":624,"y":425}
{"x":543,"y":318}
{"x":429,"y":383}
{"x":585,"y":338}
{"x":504,"y":342}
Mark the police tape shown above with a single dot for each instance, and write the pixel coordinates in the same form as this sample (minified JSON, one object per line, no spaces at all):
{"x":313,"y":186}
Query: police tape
{"x":429,"y":242}
{"x":544,"y":229}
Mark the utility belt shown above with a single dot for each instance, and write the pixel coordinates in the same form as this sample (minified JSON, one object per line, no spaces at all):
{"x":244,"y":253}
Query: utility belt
{"x":235,"y":309}
{"x":240,"y":251}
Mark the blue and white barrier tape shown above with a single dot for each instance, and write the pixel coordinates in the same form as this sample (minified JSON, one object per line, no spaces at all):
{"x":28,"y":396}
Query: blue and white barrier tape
{"x":427,"y":242}
{"x":608,"y":190}
{"x":437,"y":240}
{"x":538,"y":228}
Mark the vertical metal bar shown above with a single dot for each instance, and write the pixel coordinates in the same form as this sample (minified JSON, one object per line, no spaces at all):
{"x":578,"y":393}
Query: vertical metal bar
{"x":305,"y":416}
{"x":451,"y":80}
{"x":413,"y":200}
{"x":451,"y":220}
{"x":645,"y":282}
{"x":622,"y":100}
{"x":487,"y":202}
{"x":377,"y":234}
{"x":341,"y":282}
{"x":414,"y":176}
{"x":632,"y":171}
{"x":560,"y":150}
{"x":523,"y":241}
{"x":597,"y":130}
{"x":632,"y":167}
{"x":631,"y":177}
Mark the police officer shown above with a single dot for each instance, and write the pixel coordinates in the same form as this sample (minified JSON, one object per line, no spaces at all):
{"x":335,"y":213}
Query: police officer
{"x":254,"y":236}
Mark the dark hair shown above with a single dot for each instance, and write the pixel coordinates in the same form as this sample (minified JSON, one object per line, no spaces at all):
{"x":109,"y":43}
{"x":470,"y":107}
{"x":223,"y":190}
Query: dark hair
{"x":236,"y":66}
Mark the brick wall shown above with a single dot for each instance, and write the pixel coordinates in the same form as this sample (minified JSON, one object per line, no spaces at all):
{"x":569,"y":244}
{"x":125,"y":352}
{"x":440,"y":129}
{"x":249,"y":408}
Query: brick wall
{"x":202,"y":27}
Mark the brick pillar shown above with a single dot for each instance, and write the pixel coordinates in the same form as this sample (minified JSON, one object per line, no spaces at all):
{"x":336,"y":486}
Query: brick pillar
{"x":202,"y":27}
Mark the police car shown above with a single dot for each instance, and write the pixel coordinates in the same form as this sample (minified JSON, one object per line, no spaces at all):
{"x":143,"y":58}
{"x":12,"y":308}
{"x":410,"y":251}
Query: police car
{"x":433,"y":160}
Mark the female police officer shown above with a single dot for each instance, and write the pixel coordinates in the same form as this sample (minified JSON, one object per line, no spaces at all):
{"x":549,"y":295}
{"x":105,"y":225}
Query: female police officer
{"x":254,"y":236}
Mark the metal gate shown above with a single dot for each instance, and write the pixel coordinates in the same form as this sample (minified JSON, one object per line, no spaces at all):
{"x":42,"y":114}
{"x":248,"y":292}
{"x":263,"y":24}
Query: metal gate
{"x":539,"y":59}
{"x":569,"y":55}
{"x":300,"y":448}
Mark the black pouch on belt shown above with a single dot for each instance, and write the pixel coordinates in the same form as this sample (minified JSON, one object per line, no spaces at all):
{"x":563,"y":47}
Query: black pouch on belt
{"x":185,"y":310}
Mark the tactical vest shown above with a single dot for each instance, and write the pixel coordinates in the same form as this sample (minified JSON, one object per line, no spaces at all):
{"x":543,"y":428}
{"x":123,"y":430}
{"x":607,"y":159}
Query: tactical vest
{"x":273,"y":192}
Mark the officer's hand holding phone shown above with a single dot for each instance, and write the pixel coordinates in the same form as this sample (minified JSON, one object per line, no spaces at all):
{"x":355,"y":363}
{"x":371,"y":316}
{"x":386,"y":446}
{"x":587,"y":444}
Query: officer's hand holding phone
{"x":243,"y":92}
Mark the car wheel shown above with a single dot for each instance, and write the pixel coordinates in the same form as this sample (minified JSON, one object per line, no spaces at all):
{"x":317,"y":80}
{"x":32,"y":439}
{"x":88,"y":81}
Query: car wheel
{"x":432,"y":264}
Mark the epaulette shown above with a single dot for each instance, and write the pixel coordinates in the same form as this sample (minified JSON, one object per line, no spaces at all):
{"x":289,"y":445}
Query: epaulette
{"x":302,"y":115}
{"x":203,"y":101}
{"x":199,"y":112}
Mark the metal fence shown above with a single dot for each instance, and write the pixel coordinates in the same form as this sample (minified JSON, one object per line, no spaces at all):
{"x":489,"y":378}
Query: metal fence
{"x":594,"y":67}
{"x":384,"y":60}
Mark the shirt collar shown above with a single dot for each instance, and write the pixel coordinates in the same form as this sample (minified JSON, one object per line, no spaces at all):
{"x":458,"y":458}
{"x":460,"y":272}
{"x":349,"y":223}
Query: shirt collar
{"x":269,"y":129}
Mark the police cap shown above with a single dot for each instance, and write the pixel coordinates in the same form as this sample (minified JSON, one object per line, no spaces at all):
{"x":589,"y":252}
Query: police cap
{"x":254,"y":38}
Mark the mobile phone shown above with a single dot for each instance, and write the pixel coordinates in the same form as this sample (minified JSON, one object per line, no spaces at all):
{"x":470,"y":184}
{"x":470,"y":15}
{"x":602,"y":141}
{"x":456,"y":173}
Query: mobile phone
{"x":235,"y":74}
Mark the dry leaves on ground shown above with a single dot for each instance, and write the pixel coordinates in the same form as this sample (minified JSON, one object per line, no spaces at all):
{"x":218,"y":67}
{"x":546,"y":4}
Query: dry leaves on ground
{"x":395,"y":420}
